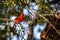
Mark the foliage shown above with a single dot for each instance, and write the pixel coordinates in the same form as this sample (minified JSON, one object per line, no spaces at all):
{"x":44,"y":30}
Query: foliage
{"x":15,"y":8}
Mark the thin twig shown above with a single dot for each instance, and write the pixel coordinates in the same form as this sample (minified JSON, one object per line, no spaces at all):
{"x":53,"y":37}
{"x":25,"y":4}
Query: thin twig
{"x":4,"y":19}
{"x":49,"y":23}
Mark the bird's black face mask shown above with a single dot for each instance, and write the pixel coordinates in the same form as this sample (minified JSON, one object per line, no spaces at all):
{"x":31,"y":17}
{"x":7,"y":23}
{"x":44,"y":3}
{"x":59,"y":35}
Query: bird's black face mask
{"x":32,"y":0}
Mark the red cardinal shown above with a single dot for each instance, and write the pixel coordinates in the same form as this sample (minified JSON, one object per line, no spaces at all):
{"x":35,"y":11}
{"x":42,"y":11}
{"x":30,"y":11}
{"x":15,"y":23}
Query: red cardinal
{"x":20,"y":18}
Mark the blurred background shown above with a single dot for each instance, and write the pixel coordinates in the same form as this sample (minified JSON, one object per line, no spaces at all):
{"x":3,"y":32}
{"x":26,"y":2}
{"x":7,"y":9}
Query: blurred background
{"x":32,"y":26}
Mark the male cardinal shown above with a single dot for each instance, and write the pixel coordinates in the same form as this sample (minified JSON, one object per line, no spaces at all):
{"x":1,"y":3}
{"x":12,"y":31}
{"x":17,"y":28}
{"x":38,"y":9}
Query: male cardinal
{"x":20,"y":18}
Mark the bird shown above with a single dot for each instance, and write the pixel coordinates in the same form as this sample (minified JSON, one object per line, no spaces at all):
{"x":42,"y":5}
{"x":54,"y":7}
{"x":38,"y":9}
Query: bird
{"x":19,"y":18}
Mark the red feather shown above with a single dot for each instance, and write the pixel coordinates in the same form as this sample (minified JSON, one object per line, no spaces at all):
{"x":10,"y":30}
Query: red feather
{"x":20,"y":18}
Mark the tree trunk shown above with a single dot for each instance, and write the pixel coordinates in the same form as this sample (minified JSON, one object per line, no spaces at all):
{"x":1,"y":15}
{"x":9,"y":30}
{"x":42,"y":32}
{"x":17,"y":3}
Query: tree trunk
{"x":30,"y":36}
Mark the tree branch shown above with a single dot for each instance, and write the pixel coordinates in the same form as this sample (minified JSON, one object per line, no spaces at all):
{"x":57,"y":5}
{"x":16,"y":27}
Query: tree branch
{"x":50,"y":23}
